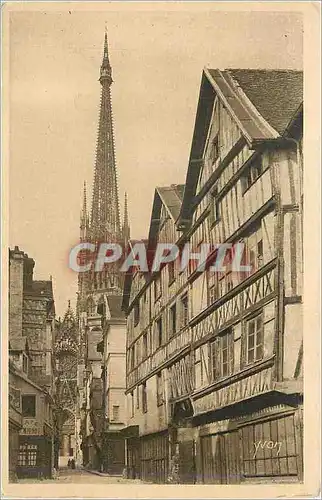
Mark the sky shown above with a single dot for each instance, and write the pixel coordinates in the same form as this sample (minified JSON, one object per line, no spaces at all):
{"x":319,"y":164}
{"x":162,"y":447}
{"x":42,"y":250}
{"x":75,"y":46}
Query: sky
{"x":157,"y":59}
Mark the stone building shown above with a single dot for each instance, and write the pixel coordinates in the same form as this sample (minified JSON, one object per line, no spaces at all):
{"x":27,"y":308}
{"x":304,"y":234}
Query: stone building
{"x":214,"y":359}
{"x":31,"y":390}
{"x":102,"y":326}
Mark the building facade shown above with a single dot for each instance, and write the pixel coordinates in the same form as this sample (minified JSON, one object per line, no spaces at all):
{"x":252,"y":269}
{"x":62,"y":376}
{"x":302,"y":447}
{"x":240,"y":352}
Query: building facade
{"x":102,"y":326}
{"x":31,"y":371}
{"x":214,"y":359}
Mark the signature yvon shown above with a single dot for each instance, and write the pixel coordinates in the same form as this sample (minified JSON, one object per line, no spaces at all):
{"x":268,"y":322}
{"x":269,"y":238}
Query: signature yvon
{"x":269,"y":445}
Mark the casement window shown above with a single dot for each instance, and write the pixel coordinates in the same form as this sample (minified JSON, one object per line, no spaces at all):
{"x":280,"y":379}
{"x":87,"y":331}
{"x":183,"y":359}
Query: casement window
{"x":222,"y":355}
{"x":254,"y":339}
{"x":132,"y":404}
{"x":184,"y":310}
{"x":116,"y":413}
{"x":171,"y":272}
{"x":144,"y":399}
{"x":27,"y":455}
{"x":160,"y":399}
{"x":157,"y":287}
{"x":159,"y":332}
{"x":28,"y":406}
{"x":252,"y":173}
{"x":254,"y":250}
{"x":145,"y":345}
{"x":173,"y":319}
{"x":136,"y":313}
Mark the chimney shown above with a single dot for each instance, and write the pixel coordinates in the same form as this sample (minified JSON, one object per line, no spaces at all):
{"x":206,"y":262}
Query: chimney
{"x":28,"y":270}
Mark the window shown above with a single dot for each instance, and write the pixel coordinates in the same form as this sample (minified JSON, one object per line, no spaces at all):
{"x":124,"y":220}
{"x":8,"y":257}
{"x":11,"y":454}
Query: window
{"x":138,"y":397}
{"x":184,"y":310}
{"x":159,"y":332}
{"x":173,"y":319}
{"x":252,"y":173}
{"x":215,"y":210}
{"x":254,"y":339}
{"x":214,"y":150}
{"x":212,"y":286}
{"x":254,"y":249}
{"x":198,"y":369}
{"x":145,"y":345}
{"x":157,"y":287}
{"x":171,"y":271}
{"x":222,"y":355}
{"x":229,"y":281}
{"x":27,"y":455}
{"x":136,"y":313}
{"x":132,"y":404}
{"x":160,"y":399}
{"x":132,"y":357}
{"x":116,"y":413}
{"x":24,"y":363}
{"x":144,"y":399}
{"x":29,"y":406}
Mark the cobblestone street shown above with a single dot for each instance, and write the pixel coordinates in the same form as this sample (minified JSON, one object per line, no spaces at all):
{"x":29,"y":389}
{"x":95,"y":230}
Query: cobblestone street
{"x":82,"y":476}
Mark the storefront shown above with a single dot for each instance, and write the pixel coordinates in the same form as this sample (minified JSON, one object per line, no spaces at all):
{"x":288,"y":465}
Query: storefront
{"x":35,"y":456}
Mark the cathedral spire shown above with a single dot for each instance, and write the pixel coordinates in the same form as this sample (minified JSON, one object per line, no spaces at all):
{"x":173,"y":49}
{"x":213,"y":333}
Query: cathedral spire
{"x":126,"y":224}
{"x":105,"y":216}
{"x":84,"y":216}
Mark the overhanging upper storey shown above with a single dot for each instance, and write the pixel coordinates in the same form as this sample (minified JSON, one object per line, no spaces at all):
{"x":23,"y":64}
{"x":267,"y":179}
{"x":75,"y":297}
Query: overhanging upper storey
{"x":237,"y":108}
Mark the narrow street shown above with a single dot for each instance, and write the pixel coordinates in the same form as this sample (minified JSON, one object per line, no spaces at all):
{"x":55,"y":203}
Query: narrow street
{"x":82,"y":476}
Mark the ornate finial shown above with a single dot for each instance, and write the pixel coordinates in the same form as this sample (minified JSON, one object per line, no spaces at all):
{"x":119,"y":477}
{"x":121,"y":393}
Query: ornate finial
{"x":69,"y":304}
{"x":106,"y":70}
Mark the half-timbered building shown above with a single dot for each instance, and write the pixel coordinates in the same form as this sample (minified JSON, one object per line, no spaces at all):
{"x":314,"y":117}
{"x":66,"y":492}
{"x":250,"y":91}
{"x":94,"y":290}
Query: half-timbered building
{"x":214,"y":359}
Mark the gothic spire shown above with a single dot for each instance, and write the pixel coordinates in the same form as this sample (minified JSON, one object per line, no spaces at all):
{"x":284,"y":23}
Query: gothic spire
{"x":126,"y":224}
{"x":105,"y":217}
{"x":106,"y":70}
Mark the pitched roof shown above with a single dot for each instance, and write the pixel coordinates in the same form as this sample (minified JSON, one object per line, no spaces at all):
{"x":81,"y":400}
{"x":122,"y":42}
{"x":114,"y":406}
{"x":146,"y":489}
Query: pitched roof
{"x":172,"y":197}
{"x":262,"y":101}
{"x":263,"y":104}
{"x":42,"y":287}
{"x":276,"y":94}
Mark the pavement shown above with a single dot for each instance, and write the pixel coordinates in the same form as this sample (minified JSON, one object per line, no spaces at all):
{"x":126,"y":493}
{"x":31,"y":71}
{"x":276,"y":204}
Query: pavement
{"x":81,"y":475}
